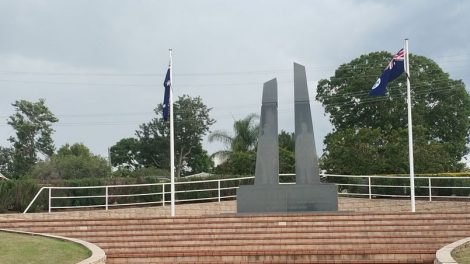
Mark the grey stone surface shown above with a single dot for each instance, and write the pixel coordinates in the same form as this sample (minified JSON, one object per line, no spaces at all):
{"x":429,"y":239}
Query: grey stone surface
{"x":306,"y":160}
{"x":267,"y":156}
{"x":287,"y":198}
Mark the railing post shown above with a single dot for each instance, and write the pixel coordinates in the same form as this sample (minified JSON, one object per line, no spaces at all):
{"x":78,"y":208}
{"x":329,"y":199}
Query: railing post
{"x":163,"y":194}
{"x":370,"y":188}
{"x":106,"y":203}
{"x":50,"y":201}
{"x":430,"y":188}
{"x":218,"y":188}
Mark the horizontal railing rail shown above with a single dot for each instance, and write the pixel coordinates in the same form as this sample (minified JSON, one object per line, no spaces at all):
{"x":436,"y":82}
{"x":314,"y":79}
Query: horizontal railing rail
{"x":370,"y":186}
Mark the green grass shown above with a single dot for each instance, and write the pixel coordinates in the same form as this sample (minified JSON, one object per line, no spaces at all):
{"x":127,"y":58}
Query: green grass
{"x":28,"y":249}
{"x":462,"y":254}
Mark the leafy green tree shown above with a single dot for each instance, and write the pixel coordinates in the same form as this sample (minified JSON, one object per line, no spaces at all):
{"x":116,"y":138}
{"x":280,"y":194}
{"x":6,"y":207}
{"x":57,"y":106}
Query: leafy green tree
{"x":77,"y":149}
{"x":6,"y":161}
{"x":151,"y":148}
{"x":287,"y":141}
{"x":199,"y":161}
{"x":154,"y":144}
{"x":370,"y":133}
{"x":239,"y":163}
{"x":32,"y":123}
{"x":364,"y":151}
{"x":126,"y":154}
{"x":286,"y":152}
{"x":142,"y":173}
{"x":72,"y":162}
{"x":192,"y":123}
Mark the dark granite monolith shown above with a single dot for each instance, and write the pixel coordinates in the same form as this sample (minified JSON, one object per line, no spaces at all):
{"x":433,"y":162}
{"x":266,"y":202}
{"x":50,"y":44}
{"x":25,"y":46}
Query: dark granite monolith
{"x":306,"y":160}
{"x":308,"y":194}
{"x":267,"y":156}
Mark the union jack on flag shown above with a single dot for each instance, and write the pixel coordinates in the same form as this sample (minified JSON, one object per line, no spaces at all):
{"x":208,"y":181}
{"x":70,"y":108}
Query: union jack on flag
{"x":394,"y":69}
{"x":400,"y":56}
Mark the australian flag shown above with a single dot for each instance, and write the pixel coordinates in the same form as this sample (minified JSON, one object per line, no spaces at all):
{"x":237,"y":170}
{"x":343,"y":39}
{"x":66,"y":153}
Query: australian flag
{"x":166,"y":98}
{"x":391,"y":72}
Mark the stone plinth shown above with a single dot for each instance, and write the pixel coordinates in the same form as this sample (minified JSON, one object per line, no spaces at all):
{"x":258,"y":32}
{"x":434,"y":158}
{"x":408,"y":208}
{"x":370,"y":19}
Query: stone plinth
{"x":287,"y":198}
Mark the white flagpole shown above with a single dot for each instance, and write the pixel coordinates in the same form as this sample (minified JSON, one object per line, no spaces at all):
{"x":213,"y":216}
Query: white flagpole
{"x":172,"y":142}
{"x":410,"y":129}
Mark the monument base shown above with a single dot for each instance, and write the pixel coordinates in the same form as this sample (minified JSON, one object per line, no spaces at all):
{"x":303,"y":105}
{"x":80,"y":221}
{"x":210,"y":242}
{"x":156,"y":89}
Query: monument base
{"x":287,"y":198}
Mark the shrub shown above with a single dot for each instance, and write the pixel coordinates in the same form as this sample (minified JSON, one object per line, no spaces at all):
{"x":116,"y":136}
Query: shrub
{"x":15,"y":195}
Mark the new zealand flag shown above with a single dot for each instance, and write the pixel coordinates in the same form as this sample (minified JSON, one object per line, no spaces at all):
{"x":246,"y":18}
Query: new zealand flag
{"x":166,"y":98}
{"x":391,"y":72}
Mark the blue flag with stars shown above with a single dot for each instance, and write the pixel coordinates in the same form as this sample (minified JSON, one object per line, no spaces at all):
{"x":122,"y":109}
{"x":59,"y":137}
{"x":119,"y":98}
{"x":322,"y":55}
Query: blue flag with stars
{"x":394,"y":69}
{"x":166,"y":98}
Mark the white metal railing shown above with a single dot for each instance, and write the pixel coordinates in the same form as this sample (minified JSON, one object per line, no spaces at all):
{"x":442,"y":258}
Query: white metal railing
{"x":224,"y":190}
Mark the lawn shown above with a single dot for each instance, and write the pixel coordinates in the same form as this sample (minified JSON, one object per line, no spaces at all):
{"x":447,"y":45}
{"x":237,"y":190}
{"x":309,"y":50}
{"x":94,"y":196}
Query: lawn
{"x":462,"y":254}
{"x":28,"y":249}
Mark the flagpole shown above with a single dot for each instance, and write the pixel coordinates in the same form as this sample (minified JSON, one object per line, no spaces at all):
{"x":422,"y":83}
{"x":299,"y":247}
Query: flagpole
{"x":410,"y":129}
{"x":172,"y":142}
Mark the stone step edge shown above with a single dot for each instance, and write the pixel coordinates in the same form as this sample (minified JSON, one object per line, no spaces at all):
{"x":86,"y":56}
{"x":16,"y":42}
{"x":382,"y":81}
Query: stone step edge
{"x":365,"y":215}
{"x":157,"y":238}
{"x":443,"y":255}
{"x":332,"y":222}
{"x":273,"y":253}
{"x":290,"y":229}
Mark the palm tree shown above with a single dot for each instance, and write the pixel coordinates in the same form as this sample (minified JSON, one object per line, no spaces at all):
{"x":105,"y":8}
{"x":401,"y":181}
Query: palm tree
{"x":245,"y":137}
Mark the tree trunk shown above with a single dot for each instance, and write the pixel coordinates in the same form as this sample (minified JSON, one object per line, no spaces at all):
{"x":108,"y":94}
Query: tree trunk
{"x":180,"y":163}
{"x":181,"y":158}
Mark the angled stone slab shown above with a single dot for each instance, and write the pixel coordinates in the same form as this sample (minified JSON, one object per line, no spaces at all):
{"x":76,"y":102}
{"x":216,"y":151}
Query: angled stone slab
{"x":267,"y":156}
{"x":306,"y":160}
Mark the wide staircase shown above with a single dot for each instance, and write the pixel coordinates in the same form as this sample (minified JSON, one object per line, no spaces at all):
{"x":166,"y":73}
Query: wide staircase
{"x":344,"y":237}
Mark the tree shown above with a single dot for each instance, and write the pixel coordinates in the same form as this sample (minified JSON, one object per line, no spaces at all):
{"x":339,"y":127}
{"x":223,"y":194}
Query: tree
{"x":240,"y":155}
{"x":239,"y":163}
{"x":126,"y":154}
{"x":199,"y":160}
{"x":77,"y":149}
{"x":286,"y":152}
{"x":32,"y":123}
{"x":6,"y":161}
{"x":370,"y":133}
{"x":72,"y":162}
{"x":245,"y":137}
{"x":192,"y":122}
{"x":287,"y":141}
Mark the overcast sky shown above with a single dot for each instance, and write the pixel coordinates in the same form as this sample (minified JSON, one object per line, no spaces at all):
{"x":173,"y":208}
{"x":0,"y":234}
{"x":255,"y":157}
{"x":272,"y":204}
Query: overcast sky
{"x":100,"y":64}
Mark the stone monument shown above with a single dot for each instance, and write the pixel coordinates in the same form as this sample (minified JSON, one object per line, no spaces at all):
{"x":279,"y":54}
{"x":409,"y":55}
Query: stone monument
{"x":309,"y":193}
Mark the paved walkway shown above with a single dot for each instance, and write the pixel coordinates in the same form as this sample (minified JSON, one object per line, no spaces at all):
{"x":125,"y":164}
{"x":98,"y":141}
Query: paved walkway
{"x":229,"y":207}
